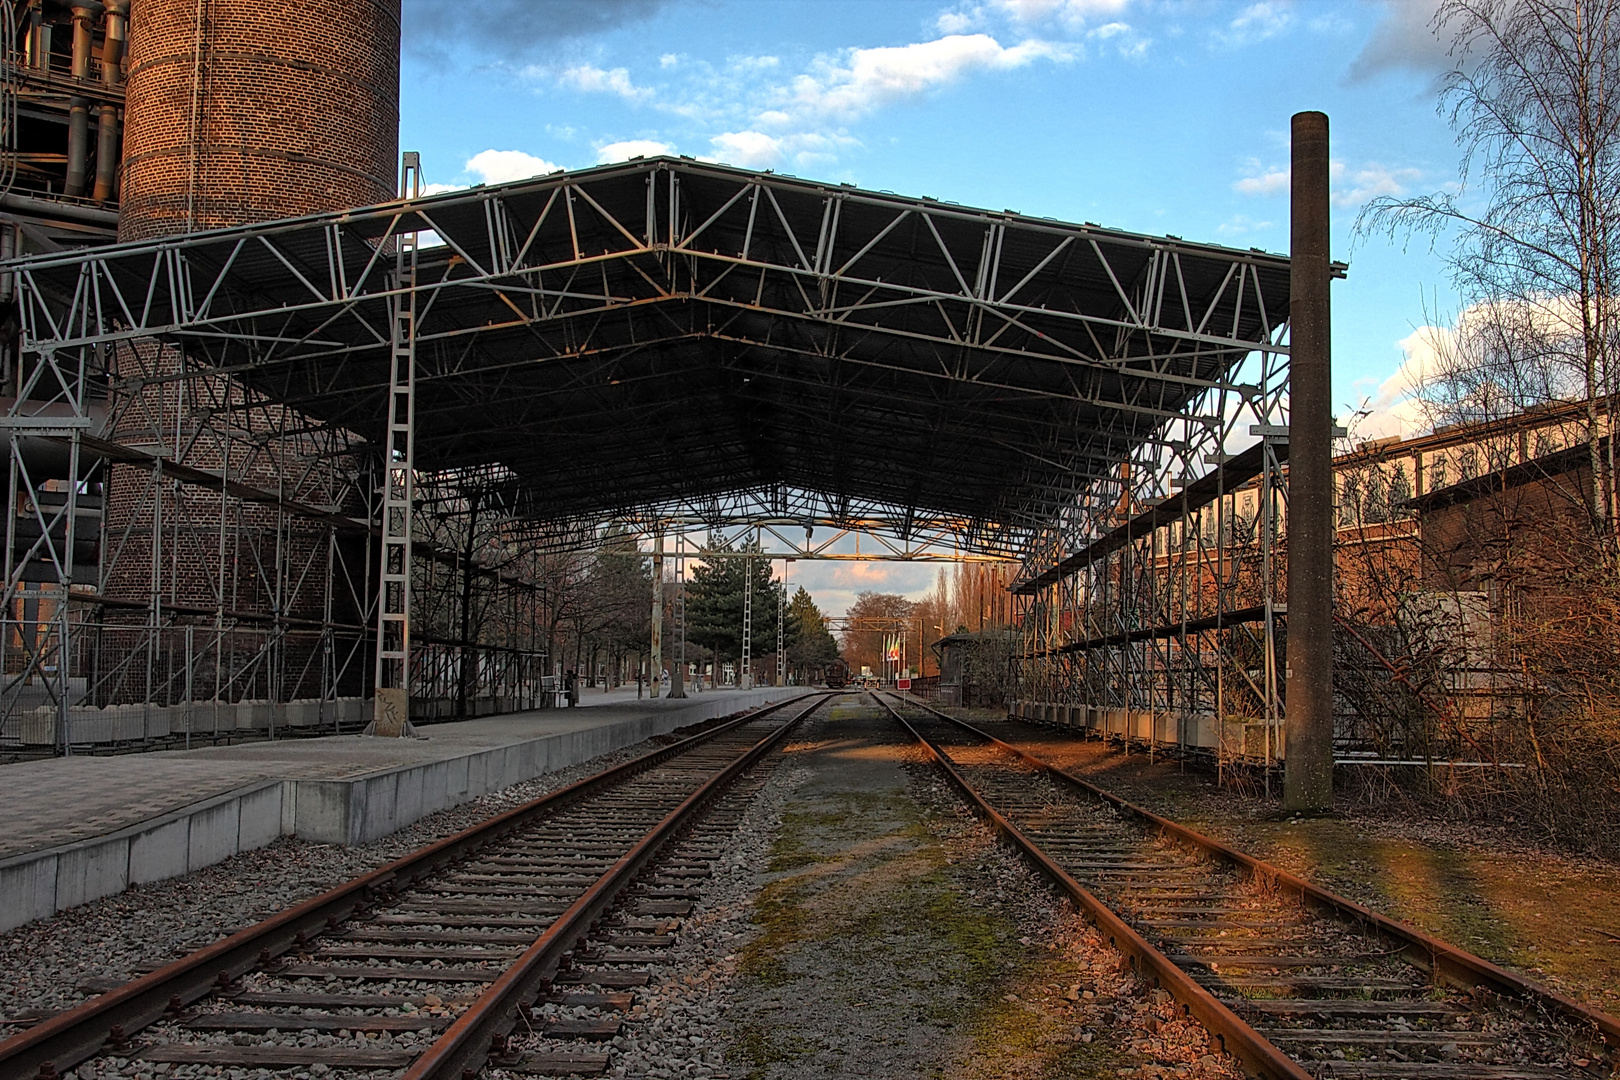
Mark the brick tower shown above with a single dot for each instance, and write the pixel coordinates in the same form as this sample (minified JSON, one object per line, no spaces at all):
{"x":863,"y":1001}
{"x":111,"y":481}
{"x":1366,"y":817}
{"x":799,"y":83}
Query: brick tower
{"x":238,"y":111}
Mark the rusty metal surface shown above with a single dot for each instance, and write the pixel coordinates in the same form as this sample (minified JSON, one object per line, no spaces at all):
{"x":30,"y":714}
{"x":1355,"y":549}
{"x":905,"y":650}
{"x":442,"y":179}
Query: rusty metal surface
{"x":1236,"y":1037}
{"x":467,"y":1044}
{"x":1445,"y":961}
{"x":81,"y":1032}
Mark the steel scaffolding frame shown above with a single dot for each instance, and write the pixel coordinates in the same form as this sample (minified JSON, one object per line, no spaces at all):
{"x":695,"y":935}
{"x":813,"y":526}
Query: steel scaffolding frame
{"x":666,"y":340}
{"x":1157,"y":614}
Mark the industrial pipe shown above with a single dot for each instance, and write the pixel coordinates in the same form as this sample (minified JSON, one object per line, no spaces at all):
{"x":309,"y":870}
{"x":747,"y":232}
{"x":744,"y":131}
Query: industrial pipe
{"x":1308,"y":750}
{"x":79,"y":107}
{"x":93,"y":215}
{"x":112,"y":73}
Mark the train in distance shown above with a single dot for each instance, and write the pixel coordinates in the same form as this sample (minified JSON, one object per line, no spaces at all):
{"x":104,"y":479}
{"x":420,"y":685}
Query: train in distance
{"x":837,"y":675}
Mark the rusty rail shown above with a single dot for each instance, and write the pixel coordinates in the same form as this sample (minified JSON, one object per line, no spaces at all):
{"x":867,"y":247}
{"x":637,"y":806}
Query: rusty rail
{"x":468,"y":1043}
{"x":1444,"y":961}
{"x":65,"y":1040}
{"x":1236,"y":1037}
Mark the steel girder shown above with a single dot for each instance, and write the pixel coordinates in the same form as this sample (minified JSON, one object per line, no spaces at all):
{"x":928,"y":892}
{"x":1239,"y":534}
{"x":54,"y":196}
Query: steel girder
{"x":661,"y":331}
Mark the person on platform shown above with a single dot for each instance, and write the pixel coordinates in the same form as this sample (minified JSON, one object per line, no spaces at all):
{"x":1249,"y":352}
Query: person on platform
{"x":571,"y":684}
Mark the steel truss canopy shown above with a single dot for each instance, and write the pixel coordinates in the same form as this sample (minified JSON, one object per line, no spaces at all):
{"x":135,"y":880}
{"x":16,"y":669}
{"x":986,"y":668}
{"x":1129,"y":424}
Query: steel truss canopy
{"x":664,"y":333}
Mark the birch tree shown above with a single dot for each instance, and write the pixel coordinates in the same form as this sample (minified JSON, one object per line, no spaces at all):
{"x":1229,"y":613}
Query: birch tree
{"x":1534,"y":98}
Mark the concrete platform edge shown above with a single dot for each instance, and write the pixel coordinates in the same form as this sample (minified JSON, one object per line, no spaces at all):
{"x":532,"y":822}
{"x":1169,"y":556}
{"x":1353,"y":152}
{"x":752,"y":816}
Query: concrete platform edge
{"x":353,"y":810}
{"x":37,"y":884}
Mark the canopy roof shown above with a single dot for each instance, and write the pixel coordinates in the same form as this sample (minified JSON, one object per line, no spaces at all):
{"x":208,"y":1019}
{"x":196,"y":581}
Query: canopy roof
{"x":666,"y":332}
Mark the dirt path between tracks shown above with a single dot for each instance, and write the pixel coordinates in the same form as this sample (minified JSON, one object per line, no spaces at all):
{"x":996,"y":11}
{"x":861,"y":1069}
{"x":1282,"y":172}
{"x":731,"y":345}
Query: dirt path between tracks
{"x":897,"y":939}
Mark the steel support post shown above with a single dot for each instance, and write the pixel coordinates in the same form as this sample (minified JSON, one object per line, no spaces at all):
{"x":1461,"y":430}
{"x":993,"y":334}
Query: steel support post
{"x":52,"y":550}
{"x":745,"y":677}
{"x":781,"y":623}
{"x":656,"y":667}
{"x":1308,"y":776}
{"x":392,"y":705}
{"x":677,"y":681}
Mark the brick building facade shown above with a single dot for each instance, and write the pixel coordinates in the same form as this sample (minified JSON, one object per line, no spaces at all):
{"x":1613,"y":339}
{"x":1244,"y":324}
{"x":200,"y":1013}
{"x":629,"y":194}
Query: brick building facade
{"x":251,"y":112}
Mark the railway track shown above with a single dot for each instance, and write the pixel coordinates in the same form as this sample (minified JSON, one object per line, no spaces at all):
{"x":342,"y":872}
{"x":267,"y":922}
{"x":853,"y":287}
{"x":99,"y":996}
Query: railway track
{"x":1295,"y":981}
{"x":530,"y":930}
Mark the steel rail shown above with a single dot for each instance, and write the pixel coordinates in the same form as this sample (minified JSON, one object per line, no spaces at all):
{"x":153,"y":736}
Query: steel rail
{"x":481,"y":1031}
{"x":65,"y":1040}
{"x":1236,"y":1037}
{"x":1445,"y":962}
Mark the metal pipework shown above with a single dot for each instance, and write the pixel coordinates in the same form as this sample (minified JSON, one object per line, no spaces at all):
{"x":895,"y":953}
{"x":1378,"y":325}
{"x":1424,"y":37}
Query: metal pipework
{"x":79,"y":107}
{"x":1308,"y":778}
{"x":112,"y":73}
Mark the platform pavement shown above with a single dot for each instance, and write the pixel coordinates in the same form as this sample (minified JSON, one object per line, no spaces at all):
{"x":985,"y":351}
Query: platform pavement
{"x":82,"y":827}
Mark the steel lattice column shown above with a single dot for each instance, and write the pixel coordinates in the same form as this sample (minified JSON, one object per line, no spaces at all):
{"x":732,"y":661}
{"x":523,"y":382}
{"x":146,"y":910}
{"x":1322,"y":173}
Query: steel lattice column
{"x":781,"y":621}
{"x":745,"y":677}
{"x":656,"y":667}
{"x":391,"y":710}
{"x":677,"y":682}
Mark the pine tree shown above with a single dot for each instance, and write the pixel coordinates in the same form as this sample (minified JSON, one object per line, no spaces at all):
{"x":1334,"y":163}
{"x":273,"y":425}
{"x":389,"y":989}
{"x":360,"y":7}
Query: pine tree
{"x":714,"y":601}
{"x":810,"y":646}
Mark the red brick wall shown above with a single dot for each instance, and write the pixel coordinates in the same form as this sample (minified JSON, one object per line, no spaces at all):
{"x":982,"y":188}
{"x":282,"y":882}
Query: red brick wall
{"x":297,"y":111}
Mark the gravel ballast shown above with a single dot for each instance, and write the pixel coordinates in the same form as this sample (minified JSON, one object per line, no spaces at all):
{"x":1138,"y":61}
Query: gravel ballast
{"x":122,"y":936}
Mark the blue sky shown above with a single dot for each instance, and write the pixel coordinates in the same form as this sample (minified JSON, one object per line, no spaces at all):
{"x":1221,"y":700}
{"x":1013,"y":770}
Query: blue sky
{"x":1150,"y":116}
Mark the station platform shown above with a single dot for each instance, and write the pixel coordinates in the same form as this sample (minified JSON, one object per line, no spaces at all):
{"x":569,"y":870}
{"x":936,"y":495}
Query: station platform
{"x":79,"y":828}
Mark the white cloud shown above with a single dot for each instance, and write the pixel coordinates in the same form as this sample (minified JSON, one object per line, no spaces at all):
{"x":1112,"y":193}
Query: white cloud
{"x":499,"y":166}
{"x":1073,"y":12}
{"x":629,"y":148}
{"x":1351,"y":186}
{"x":862,"y":80}
{"x":595,"y":80}
{"x":835,"y":585}
{"x":440,"y":189}
{"x":756,"y":114}
{"x":1354,"y":187}
{"x":1396,"y":407}
{"x":750,"y":149}
{"x":1542,"y":333}
{"x":1241,"y":225}
{"x":1267,"y":182}
{"x":1257,"y":22}
{"x":758,"y":150}
{"x":1072,"y":15}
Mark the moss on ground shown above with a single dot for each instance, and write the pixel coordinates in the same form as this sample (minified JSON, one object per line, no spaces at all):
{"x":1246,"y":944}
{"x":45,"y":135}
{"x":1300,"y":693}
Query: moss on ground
{"x":874,"y":945}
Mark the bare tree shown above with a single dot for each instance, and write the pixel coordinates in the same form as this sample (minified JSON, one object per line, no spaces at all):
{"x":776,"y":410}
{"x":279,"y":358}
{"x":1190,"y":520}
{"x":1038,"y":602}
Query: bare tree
{"x":1534,"y":97}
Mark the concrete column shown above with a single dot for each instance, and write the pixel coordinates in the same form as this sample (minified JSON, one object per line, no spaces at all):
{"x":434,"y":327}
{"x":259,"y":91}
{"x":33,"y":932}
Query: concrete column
{"x":1308,"y":779}
{"x":657,"y":644}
